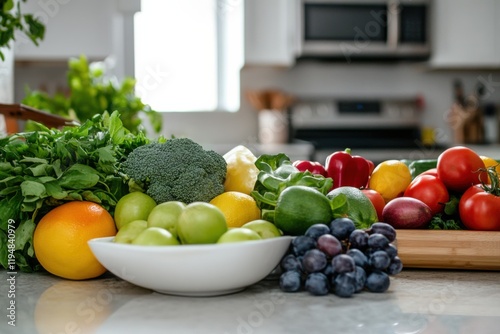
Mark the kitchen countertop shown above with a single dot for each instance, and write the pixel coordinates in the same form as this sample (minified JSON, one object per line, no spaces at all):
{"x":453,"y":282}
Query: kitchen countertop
{"x":418,"y":301}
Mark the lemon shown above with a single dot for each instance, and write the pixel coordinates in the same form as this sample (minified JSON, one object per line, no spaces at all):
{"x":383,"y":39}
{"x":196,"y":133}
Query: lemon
{"x":238,"y":208}
{"x":390,"y":178}
{"x":241,"y":172}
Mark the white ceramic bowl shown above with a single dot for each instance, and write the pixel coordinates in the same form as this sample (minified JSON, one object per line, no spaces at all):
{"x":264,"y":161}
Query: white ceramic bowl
{"x":192,"y":270}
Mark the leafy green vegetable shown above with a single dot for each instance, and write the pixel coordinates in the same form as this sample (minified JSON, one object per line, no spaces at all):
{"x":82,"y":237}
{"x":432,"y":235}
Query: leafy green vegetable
{"x":276,"y":173}
{"x":90,"y":92}
{"x":42,"y":169}
{"x":449,"y":219}
{"x":12,"y":20}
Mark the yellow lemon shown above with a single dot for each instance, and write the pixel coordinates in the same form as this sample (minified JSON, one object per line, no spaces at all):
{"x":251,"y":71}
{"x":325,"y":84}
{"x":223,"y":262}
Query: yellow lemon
{"x":390,"y":178}
{"x":241,"y":170}
{"x":237,"y":207}
{"x":490,"y":162}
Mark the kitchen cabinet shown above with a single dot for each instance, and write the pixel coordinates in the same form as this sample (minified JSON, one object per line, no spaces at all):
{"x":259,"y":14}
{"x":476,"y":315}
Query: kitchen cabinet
{"x":94,"y":28}
{"x":465,"y":34}
{"x":270,"y":30}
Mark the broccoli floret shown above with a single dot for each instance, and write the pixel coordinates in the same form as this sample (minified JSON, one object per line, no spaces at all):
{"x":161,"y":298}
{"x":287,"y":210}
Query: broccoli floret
{"x":177,"y":170}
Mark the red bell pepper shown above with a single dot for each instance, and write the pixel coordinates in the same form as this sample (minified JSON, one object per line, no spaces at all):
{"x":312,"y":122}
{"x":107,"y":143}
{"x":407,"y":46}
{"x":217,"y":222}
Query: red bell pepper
{"x":312,"y":166}
{"x":348,"y":170}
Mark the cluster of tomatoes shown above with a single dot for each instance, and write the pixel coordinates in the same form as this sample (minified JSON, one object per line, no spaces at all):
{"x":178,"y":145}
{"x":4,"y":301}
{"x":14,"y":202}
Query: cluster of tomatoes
{"x":461,"y":174}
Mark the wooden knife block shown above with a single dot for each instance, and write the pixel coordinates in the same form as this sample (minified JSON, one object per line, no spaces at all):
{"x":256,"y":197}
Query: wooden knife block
{"x":467,"y":123}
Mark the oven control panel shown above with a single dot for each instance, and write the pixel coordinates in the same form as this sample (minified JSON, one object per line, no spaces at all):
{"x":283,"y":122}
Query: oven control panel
{"x":354,"y":112}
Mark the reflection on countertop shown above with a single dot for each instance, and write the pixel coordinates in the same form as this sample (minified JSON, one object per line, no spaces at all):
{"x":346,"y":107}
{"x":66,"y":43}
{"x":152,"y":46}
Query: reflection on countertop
{"x":418,"y":301}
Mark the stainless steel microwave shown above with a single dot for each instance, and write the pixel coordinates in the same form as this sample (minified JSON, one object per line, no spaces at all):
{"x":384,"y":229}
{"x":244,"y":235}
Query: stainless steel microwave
{"x":364,"y":29}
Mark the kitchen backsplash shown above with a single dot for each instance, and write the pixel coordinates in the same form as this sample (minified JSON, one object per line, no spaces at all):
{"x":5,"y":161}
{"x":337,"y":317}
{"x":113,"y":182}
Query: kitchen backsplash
{"x":308,"y":79}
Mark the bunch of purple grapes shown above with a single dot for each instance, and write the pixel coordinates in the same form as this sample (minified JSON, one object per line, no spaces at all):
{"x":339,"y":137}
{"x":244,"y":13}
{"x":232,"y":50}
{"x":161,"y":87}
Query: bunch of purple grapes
{"x":341,"y":259}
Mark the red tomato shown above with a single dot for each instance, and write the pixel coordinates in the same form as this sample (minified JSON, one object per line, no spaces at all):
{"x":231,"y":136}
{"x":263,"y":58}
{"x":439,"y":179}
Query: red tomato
{"x":432,"y":171}
{"x":377,"y":201}
{"x":479,"y":210}
{"x":430,"y":190}
{"x":459,"y":168}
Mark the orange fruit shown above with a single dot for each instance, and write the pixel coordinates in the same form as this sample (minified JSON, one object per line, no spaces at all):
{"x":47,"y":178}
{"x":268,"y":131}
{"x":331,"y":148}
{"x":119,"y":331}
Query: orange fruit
{"x":60,"y":239}
{"x":237,"y":207}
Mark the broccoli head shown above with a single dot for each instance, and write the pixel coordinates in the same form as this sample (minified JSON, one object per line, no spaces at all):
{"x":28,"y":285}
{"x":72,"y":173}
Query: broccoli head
{"x":177,"y":170}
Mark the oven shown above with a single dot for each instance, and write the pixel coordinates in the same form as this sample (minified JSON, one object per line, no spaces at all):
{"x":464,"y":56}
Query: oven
{"x":376,"y":128}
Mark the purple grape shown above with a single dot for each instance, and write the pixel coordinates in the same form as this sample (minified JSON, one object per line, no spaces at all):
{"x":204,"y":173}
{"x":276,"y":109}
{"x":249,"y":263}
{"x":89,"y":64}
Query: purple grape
{"x":290,"y":262}
{"x":395,"y":267}
{"x":314,"y":260}
{"x":344,"y":285}
{"x":360,"y":278}
{"x":377,"y":241}
{"x":377,"y":281}
{"x":343,"y":263}
{"x":329,"y":245}
{"x":317,"y":284}
{"x":358,"y":239}
{"x":391,"y":250}
{"x":328,"y":270}
{"x":341,"y":228}
{"x":290,"y":281}
{"x":301,"y":244}
{"x":317,"y":230}
{"x":385,"y":229}
{"x":359,"y":257}
{"x":379,"y":260}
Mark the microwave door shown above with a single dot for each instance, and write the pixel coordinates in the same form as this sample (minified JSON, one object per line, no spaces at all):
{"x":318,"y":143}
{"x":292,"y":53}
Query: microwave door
{"x":345,"y":29}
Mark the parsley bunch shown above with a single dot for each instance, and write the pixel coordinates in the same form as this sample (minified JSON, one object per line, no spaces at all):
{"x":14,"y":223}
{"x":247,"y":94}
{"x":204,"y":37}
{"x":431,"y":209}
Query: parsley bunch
{"x":42,"y":169}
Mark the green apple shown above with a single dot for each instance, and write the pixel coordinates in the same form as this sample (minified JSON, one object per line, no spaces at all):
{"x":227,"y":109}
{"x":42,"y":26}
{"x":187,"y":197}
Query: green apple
{"x":165,"y":215}
{"x":129,"y":231}
{"x":238,"y":235}
{"x":201,"y":223}
{"x":155,"y":236}
{"x":133,"y":206}
{"x":264,"y":228}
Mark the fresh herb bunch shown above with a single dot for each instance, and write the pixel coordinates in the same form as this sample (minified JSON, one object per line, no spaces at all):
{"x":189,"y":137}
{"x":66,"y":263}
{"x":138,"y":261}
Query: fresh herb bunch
{"x":42,"y":169}
{"x":12,"y":20}
{"x":90,"y":91}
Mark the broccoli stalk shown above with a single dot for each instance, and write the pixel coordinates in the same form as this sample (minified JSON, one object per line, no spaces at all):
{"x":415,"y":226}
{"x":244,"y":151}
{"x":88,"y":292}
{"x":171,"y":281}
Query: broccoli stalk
{"x":176,"y":170}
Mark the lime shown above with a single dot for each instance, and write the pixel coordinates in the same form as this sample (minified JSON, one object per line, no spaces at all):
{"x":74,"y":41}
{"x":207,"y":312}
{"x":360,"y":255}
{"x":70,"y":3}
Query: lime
{"x":129,"y":231}
{"x":200,"y":223}
{"x":165,"y":215}
{"x":238,"y":234}
{"x":155,"y":236}
{"x":133,"y":206}
{"x":353,"y":203}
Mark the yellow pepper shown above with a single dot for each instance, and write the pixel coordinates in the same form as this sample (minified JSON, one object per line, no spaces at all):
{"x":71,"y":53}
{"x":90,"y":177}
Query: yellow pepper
{"x":241,"y":170}
{"x":490,"y":162}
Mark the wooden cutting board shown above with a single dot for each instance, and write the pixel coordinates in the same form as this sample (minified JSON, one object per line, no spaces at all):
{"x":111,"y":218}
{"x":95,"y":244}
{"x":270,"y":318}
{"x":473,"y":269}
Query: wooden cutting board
{"x":472,"y":250}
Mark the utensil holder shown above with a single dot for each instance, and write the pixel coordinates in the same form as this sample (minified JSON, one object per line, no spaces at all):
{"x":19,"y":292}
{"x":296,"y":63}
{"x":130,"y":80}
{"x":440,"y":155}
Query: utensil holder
{"x":273,"y":126}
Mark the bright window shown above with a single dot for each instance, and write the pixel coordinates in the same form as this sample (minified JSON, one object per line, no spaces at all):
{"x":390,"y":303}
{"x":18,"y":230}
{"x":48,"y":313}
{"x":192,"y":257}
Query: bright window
{"x":188,"y":54}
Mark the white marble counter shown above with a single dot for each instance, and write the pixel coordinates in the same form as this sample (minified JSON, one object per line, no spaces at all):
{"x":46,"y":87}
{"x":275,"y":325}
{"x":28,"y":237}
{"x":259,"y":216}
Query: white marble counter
{"x":418,"y":301}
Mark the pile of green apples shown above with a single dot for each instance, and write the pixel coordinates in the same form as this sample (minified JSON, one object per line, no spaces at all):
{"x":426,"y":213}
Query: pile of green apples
{"x":140,"y":221}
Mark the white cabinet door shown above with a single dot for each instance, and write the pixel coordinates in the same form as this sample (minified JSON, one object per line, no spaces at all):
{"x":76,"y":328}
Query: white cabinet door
{"x":466,"y":34}
{"x":75,"y":27}
{"x":270,"y":27}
